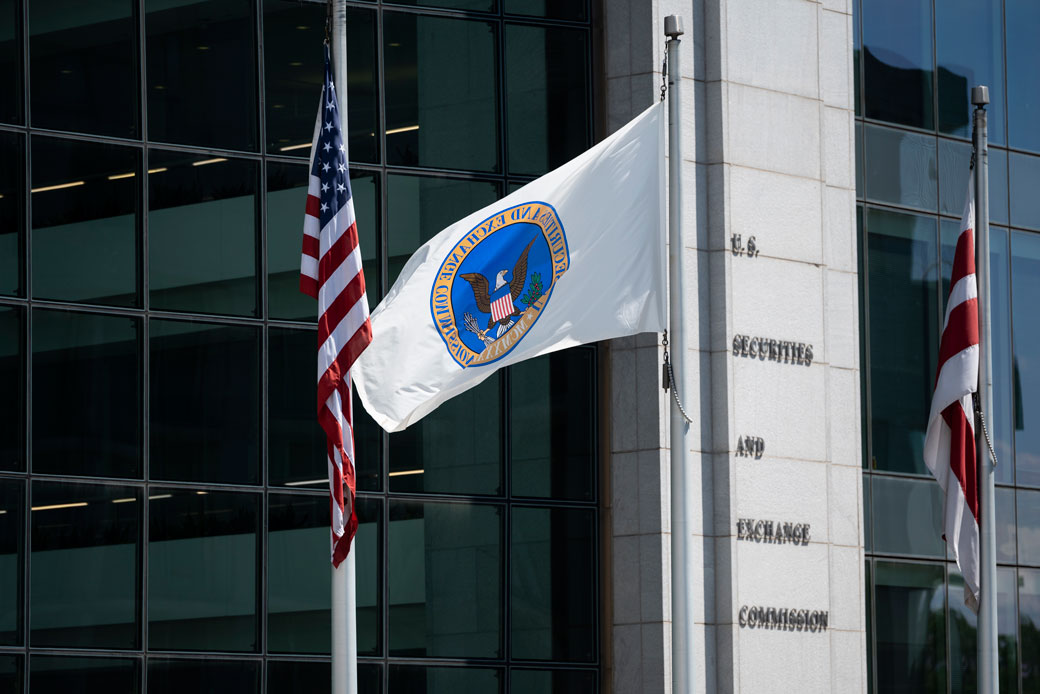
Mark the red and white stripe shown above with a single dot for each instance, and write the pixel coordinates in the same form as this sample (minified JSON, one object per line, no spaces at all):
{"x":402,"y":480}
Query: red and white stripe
{"x":330,"y":271}
{"x":949,"y":449}
{"x":502,"y":307}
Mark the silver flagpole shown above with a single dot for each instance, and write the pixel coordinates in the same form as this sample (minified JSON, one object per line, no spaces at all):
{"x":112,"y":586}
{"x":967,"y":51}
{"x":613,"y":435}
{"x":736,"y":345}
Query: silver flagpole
{"x":987,"y":632}
{"x":682,"y":605}
{"x":344,"y":579}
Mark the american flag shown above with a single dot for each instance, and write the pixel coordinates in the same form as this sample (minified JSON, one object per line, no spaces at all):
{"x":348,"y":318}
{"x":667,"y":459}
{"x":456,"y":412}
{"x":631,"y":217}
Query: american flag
{"x":949,"y":448}
{"x":330,"y":271}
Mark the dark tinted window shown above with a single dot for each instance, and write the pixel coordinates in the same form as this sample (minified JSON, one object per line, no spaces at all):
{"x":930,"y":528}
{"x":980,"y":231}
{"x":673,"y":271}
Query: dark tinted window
{"x":553,"y":560}
{"x":205,"y":402}
{"x":83,"y":59}
{"x":203,"y":676}
{"x":445,"y":680}
{"x":203,"y":554}
{"x":12,"y":213}
{"x":547,"y":97}
{"x":552,"y":425}
{"x":12,"y":382}
{"x":186,"y":41}
{"x":63,"y":674}
{"x":85,"y":198}
{"x":443,"y":115}
{"x":202,"y":233}
{"x":904,"y":339}
{"x":897,"y":61}
{"x":969,"y":47}
{"x":298,"y":576}
{"x":96,"y":529}
{"x":12,"y":541}
{"x":294,"y":68}
{"x":10,"y":61}
{"x":445,"y":581}
{"x":89,"y":359}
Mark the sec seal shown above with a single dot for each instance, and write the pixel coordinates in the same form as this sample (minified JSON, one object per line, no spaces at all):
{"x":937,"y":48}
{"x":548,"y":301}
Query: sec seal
{"x":497,"y":280}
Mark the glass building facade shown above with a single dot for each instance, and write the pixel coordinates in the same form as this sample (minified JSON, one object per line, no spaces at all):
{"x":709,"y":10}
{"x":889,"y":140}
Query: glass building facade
{"x":163,"y":504}
{"x":915,"y":62}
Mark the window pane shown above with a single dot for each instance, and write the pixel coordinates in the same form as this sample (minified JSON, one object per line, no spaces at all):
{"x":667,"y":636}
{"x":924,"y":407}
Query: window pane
{"x":1025,"y":288}
{"x":11,"y":673}
{"x":294,"y":70}
{"x":298,"y":576}
{"x":999,"y":421}
{"x":1028,"y":527}
{"x":84,"y":55}
{"x":418,"y":679}
{"x":472,"y":5}
{"x":1023,"y":73}
{"x":998,"y":186}
{"x":62,"y":675}
{"x":1007,"y":530}
{"x":553,"y":595}
{"x":205,"y":402}
{"x":553,"y":681}
{"x":419,"y":207}
{"x":202,"y":576}
{"x":84,"y":218}
{"x":907,"y":516}
{"x":93,"y":528}
{"x":1029,"y":626}
{"x":969,"y":38}
{"x":203,"y":676}
{"x":900,"y":167}
{"x":12,"y":534}
{"x":89,"y":359}
{"x":286,"y":200}
{"x":904,"y":344}
{"x":12,"y":382}
{"x":857,"y":61}
{"x":12,"y":209}
{"x":441,"y":91}
{"x":202,"y":233}
{"x":897,"y":60}
{"x":552,"y":425}
{"x":297,"y":454}
{"x":10,"y":65}
{"x":1025,"y":178}
{"x":288,"y":677}
{"x":573,"y":10}
{"x":860,"y":160}
{"x":911,"y":636}
{"x":954,"y":158}
{"x":455,"y":449}
{"x":964,"y":638}
{"x":214,"y":38}
{"x":546,"y":97}
{"x":445,"y":582}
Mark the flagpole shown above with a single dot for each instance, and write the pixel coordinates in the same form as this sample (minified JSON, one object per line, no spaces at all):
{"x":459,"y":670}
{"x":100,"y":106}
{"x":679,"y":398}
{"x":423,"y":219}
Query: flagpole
{"x":682,"y":571}
{"x":344,"y":578}
{"x":987,"y":630}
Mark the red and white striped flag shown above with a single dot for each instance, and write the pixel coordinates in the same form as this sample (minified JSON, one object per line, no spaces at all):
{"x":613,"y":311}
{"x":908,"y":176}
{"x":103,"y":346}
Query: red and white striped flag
{"x":330,"y":271}
{"x":949,"y":447}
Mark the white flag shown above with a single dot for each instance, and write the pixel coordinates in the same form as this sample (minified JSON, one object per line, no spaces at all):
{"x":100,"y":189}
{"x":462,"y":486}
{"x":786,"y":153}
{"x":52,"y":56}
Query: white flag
{"x":573,"y":257}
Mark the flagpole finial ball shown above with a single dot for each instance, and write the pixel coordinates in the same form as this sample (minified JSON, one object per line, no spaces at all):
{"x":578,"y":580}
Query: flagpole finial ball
{"x":980,"y":95}
{"x":673,"y":26}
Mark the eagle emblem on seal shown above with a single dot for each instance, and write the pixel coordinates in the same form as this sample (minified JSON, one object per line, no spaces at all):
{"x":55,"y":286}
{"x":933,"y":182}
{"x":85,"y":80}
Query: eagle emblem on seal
{"x":500,"y":302}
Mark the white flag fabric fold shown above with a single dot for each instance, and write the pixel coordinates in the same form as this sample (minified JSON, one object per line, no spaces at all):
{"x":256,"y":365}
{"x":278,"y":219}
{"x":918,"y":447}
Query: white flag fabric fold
{"x":573,"y":257}
{"x":949,"y":448}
